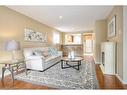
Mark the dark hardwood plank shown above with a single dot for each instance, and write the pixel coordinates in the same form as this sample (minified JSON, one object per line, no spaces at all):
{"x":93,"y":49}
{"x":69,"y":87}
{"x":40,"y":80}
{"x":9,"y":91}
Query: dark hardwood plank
{"x":108,"y":81}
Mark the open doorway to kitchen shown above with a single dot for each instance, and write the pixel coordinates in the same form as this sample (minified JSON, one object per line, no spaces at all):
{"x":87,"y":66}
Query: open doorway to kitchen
{"x":88,"y":43}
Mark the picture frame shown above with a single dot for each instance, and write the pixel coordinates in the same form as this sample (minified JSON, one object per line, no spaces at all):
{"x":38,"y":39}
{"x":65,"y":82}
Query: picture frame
{"x":112,"y":27}
{"x":31,"y":35}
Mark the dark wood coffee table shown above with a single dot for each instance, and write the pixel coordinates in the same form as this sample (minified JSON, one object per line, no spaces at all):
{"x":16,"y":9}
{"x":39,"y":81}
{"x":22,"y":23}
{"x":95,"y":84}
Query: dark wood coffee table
{"x":70,"y":62}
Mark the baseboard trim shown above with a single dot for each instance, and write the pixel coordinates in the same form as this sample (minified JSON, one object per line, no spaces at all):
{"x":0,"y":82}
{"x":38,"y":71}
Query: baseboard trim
{"x":96,"y":61}
{"x":119,"y":78}
{"x":125,"y":82}
{"x":122,"y":81}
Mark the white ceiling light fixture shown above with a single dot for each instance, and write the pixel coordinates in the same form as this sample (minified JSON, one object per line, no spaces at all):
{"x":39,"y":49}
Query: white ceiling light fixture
{"x":60,"y":17}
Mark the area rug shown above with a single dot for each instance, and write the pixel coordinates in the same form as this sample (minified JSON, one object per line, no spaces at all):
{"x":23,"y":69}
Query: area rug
{"x":68,"y":78}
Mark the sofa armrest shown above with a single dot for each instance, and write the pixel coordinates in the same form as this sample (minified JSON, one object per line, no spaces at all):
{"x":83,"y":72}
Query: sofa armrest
{"x":34,"y":57}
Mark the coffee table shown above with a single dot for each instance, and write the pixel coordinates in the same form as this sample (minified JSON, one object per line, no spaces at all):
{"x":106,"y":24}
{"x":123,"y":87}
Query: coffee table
{"x":70,"y":62}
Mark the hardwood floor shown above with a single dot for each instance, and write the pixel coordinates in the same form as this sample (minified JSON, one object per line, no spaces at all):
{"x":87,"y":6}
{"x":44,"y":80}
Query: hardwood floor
{"x":108,"y":81}
{"x":105,"y":82}
{"x":20,"y":85}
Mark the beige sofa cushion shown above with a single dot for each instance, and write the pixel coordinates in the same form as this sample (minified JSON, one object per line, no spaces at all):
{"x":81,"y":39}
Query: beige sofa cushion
{"x":45,"y":54}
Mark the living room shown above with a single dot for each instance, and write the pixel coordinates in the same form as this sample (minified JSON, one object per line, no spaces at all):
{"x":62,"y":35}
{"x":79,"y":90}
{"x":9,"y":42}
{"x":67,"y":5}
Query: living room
{"x":21,"y":33}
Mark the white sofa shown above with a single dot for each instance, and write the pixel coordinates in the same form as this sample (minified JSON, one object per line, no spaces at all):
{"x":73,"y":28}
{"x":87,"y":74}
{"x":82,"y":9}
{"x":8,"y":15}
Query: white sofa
{"x":39,"y":61}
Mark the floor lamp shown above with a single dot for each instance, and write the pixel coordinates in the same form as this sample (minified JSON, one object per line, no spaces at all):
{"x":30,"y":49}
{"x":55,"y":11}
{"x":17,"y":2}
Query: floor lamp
{"x":12,"y":46}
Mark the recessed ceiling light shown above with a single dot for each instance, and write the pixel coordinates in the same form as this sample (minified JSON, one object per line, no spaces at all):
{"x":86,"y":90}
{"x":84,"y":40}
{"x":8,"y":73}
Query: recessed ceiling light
{"x":60,"y":17}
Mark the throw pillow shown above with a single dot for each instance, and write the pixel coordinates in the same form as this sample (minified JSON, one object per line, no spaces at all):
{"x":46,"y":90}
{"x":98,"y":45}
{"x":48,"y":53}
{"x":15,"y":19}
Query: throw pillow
{"x":53,"y":51}
{"x":37,"y":52}
{"x":45,"y":53}
{"x":34,"y":53}
{"x":50,"y":51}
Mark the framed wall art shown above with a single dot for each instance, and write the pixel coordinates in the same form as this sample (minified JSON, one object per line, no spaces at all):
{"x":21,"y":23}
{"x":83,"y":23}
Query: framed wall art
{"x":112,"y":27}
{"x":31,"y":35}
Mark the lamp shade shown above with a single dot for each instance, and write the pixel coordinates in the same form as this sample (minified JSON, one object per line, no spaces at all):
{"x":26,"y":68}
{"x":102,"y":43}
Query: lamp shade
{"x":12,"y":45}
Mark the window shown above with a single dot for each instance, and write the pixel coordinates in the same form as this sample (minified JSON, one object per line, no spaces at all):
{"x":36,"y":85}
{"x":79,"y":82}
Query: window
{"x":77,"y":39}
{"x":56,"y":38}
{"x":88,"y":43}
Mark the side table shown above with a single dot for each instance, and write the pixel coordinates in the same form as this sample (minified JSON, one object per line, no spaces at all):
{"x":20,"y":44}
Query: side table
{"x":10,"y":65}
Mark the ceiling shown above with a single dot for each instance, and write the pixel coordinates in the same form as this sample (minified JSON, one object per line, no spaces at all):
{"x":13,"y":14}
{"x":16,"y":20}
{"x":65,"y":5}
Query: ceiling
{"x":66,"y":18}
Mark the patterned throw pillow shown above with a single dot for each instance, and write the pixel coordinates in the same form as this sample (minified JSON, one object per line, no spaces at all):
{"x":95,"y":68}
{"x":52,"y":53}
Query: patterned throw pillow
{"x":52,"y":51}
{"x":45,"y":53}
{"x":55,"y":51}
{"x":37,"y":52}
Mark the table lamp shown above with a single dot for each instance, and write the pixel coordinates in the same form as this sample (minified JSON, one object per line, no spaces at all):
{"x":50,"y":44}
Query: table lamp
{"x":12,"y":45}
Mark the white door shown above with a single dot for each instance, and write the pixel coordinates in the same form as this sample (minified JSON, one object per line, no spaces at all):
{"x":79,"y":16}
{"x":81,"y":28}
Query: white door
{"x":89,"y":46}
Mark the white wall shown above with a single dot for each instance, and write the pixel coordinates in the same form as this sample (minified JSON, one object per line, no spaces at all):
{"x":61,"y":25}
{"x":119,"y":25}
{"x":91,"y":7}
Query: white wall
{"x":125,"y":44}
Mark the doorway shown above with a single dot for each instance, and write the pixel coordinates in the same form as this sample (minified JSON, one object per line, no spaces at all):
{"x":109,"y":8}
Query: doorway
{"x":88,"y":43}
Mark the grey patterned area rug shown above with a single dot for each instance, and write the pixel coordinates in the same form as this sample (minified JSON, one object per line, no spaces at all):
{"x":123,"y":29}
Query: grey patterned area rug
{"x":68,"y":78}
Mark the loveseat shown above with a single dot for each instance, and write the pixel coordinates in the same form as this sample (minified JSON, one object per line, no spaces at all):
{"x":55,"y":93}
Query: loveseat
{"x":41,"y":58}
